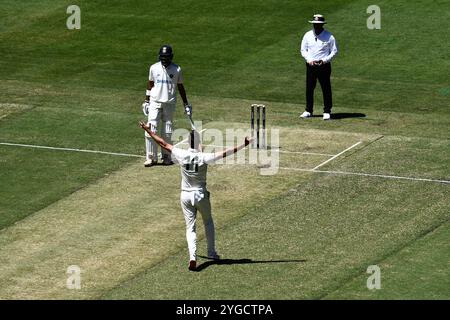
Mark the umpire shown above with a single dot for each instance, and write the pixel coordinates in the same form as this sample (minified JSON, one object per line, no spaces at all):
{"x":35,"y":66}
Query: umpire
{"x":318,"y":47}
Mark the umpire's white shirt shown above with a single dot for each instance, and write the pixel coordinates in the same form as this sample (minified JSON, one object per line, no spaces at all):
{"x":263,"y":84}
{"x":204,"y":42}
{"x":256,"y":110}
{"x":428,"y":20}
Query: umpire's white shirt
{"x":166,"y":81}
{"x":318,"y":47}
{"x":194,"y":167}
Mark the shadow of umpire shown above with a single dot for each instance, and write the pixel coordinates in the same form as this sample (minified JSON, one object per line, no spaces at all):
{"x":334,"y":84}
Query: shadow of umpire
{"x":342,"y":115}
{"x":347,"y":115}
{"x":208,"y":263}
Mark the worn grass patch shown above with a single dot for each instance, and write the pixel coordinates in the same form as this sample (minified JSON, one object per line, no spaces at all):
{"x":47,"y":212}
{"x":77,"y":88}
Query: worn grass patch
{"x":7,"y":109}
{"x":304,"y":244}
{"x":117,"y":227}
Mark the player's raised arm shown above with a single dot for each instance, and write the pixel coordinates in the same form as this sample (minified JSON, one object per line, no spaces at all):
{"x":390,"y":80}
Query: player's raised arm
{"x":232,"y":150}
{"x":162,"y":143}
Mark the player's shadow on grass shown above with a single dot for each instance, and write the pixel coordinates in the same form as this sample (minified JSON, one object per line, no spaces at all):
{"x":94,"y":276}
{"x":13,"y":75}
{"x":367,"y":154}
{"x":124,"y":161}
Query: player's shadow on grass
{"x":208,"y":263}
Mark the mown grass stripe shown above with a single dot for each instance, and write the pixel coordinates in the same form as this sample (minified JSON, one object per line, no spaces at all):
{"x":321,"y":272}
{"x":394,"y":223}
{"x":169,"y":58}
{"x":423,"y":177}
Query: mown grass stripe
{"x":340,"y":290}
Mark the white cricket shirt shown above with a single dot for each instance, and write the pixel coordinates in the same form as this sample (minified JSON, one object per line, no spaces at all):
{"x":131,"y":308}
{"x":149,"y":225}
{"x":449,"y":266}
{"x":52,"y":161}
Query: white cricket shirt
{"x":166,"y":81}
{"x":194,"y":167}
{"x":318,"y":47}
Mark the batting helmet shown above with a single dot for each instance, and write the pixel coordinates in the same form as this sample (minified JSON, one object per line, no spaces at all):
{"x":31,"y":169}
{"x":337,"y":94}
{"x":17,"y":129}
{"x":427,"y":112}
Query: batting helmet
{"x":165,"y":55}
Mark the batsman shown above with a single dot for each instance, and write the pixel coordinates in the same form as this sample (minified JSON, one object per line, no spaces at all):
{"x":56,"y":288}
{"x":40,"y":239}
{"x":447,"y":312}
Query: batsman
{"x":165,"y":77}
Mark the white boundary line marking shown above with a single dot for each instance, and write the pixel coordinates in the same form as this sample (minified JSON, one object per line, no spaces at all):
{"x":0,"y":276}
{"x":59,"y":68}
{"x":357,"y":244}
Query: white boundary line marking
{"x":367,"y":175}
{"x":337,"y":155}
{"x":70,"y":149}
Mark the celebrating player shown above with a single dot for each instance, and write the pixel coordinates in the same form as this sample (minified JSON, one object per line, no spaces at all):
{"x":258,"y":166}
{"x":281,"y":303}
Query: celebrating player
{"x":194,"y":195}
{"x":159,"y":105}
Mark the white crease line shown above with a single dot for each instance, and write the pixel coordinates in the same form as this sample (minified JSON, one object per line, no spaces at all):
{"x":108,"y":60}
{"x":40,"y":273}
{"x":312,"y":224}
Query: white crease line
{"x":337,"y":155}
{"x":271,"y":150}
{"x":367,"y":175}
{"x":307,"y":153}
{"x":70,"y":149}
{"x":282,"y":168}
{"x":77,"y":150}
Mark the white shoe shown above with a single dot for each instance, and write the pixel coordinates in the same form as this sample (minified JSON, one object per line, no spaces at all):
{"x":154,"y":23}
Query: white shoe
{"x":306,"y":114}
{"x":326,"y":116}
{"x":149,"y":163}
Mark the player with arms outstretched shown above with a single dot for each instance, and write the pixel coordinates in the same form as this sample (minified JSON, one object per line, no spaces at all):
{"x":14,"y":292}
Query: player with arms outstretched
{"x":194,"y":195}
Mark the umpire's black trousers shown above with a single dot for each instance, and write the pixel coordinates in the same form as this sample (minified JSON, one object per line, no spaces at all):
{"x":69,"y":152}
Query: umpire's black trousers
{"x":321,"y":73}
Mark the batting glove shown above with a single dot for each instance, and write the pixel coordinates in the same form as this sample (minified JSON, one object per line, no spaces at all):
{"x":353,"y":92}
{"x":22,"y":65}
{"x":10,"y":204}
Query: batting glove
{"x":145,"y":107}
{"x":188,"y":109}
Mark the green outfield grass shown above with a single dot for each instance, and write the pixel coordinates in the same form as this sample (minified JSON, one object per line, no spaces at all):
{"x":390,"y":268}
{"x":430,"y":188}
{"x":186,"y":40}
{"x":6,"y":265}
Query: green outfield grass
{"x":294,"y":235}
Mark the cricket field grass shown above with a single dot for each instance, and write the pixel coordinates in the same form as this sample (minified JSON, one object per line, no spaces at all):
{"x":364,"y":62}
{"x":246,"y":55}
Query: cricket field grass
{"x":371,"y":187}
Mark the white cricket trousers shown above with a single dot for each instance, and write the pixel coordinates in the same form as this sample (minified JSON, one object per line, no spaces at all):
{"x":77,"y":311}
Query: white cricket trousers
{"x":191,"y":202}
{"x":159,"y":112}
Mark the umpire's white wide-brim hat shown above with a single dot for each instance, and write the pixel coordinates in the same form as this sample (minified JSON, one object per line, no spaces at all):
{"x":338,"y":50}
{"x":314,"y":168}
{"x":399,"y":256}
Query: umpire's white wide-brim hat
{"x":318,"y":18}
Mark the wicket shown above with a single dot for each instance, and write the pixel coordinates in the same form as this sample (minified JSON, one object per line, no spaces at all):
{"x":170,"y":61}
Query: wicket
{"x":260,"y":117}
